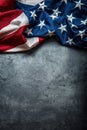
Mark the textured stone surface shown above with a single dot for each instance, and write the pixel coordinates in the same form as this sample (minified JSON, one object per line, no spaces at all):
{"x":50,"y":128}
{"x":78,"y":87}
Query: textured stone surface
{"x":44,"y":89}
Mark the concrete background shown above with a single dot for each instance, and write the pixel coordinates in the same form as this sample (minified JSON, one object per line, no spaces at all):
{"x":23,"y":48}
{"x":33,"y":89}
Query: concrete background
{"x":44,"y":89}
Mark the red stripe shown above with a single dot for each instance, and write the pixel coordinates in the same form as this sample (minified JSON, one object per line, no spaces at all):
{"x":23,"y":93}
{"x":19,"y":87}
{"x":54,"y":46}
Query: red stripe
{"x":13,"y":40}
{"x":41,"y":39}
{"x":7,"y":17}
{"x":6,"y":5}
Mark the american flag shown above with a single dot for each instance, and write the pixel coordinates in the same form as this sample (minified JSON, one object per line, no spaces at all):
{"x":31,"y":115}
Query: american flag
{"x":25,"y":24}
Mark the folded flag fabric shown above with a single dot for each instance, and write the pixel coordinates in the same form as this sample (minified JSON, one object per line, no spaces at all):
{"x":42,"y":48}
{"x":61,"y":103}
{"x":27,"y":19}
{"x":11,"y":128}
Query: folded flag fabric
{"x":13,"y":24}
{"x":26,"y":23}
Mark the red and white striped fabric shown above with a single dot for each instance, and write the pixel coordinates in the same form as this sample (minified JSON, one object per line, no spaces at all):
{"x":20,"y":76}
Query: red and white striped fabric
{"x":12,"y":25}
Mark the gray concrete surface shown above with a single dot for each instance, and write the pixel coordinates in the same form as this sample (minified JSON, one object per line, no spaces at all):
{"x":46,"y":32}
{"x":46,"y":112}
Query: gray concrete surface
{"x":44,"y":89}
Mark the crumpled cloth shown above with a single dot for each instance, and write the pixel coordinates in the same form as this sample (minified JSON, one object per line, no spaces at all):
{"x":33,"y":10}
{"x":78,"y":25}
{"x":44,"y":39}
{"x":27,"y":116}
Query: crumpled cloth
{"x":64,"y":19}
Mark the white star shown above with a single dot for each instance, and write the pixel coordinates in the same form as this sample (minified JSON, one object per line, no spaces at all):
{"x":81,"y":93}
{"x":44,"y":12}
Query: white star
{"x":41,"y":24}
{"x":84,"y":21}
{"x":62,"y":28}
{"x":78,"y":4}
{"x":70,"y":17}
{"x":81,"y":34}
{"x":33,"y":14}
{"x":28,"y":31}
{"x":50,"y":33}
{"x":70,"y":41}
{"x":56,"y":12}
{"x":53,"y":16}
{"x":42,"y":6}
{"x":73,"y":25}
{"x":64,"y":1}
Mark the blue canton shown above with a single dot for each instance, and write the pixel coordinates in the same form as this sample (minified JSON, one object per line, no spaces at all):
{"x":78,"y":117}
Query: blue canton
{"x":65,"y":19}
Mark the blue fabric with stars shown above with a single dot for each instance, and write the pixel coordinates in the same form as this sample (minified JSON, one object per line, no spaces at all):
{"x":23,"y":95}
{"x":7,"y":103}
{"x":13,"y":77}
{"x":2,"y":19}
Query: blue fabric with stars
{"x":66,"y":19}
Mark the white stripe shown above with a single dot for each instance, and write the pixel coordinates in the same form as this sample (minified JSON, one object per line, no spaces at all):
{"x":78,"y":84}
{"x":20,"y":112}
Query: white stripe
{"x":30,"y":2}
{"x":14,"y":25}
{"x":31,"y":42}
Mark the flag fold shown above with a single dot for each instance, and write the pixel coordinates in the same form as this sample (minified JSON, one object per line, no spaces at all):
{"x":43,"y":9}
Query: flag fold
{"x":26,"y":23}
